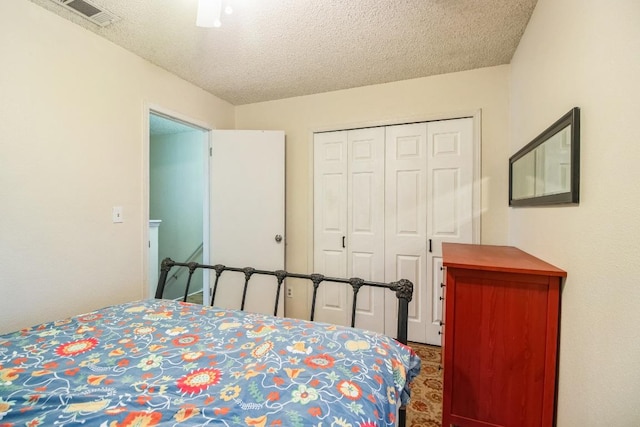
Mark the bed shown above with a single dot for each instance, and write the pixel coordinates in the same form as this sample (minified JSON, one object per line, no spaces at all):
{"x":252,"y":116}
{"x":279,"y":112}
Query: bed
{"x":166,"y":362}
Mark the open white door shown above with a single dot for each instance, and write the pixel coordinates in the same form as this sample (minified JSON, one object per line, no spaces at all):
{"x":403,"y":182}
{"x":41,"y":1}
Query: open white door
{"x":247,"y":215}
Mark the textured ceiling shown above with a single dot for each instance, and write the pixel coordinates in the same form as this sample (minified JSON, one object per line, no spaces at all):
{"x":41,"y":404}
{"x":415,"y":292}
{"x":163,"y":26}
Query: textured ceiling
{"x":273,"y":49}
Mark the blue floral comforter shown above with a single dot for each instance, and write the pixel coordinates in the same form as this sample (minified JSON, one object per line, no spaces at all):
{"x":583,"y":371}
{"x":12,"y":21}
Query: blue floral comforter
{"x":161,"y":362}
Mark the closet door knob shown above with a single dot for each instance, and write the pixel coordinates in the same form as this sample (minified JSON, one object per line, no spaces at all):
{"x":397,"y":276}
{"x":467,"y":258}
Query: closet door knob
{"x":278,"y":238}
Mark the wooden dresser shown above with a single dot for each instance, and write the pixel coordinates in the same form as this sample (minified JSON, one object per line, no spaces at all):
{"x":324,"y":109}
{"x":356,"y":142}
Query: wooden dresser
{"x":502,"y":311}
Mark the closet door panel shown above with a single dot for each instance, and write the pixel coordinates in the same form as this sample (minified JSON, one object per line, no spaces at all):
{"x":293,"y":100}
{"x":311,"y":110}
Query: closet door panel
{"x":330,"y":223}
{"x":407,"y":203}
{"x":450,"y":167}
{"x":349,"y":223}
{"x":365,"y":213}
{"x":409,"y":267}
{"x":449,"y":202}
{"x":405,"y":223}
{"x":445,"y":184}
{"x":363,"y":265}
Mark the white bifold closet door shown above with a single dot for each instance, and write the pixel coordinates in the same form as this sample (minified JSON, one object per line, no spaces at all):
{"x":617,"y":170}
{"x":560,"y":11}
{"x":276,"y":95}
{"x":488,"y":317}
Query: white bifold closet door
{"x":385,"y":199}
{"x":349,"y":223}
{"x":429,"y":200}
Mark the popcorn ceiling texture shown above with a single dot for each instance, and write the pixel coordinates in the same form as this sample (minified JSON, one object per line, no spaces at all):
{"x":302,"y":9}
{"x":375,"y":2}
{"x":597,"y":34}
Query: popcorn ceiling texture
{"x":274,"y":49}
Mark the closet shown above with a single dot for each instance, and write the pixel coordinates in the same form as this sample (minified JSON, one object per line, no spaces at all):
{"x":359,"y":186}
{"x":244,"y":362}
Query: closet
{"x":385,"y":198}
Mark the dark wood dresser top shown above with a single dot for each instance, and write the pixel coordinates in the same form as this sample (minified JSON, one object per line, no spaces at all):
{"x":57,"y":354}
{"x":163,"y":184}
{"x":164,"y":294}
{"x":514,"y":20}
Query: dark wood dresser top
{"x":496,"y":258}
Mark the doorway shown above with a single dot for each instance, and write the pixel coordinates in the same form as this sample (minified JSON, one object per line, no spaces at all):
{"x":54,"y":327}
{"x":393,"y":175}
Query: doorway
{"x":178,"y":199}
{"x":239,"y":175}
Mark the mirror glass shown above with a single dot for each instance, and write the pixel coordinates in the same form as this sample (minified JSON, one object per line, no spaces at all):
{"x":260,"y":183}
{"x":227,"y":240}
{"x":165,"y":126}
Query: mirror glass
{"x":547,"y":170}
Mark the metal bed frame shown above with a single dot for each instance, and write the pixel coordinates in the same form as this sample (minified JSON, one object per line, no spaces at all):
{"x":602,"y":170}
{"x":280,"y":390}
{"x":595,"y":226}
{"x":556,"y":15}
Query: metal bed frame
{"x":403,"y":289}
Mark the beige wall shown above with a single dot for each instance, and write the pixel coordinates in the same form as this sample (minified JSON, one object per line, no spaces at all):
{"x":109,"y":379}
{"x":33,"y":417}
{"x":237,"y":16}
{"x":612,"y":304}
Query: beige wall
{"x":72,"y":128}
{"x":587,"y":54}
{"x":72,"y":140}
{"x":432,"y":97}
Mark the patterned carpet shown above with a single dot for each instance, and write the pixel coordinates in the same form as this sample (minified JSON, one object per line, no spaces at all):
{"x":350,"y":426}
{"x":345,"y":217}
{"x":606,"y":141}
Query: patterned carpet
{"x":425,"y":409}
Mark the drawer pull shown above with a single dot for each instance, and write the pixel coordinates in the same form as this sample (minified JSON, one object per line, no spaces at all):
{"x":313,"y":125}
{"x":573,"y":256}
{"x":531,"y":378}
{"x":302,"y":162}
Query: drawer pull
{"x":441,"y":323}
{"x":441,"y":298}
{"x":442,"y":285}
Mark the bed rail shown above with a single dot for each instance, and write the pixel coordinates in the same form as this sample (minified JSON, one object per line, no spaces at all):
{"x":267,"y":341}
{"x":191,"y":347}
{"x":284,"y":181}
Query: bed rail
{"x":403,"y":288}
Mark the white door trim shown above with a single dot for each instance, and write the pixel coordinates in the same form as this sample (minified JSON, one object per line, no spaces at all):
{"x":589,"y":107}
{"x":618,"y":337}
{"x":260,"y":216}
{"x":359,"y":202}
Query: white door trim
{"x":149,"y":108}
{"x":476,"y":206}
{"x":476,"y":115}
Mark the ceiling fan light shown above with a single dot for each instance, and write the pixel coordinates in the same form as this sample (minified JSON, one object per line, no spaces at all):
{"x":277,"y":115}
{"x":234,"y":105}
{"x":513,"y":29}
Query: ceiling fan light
{"x":208,"y":13}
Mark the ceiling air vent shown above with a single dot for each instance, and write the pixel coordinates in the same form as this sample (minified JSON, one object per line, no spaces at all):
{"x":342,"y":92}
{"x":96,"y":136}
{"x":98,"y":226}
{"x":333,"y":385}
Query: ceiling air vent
{"x":89,"y":10}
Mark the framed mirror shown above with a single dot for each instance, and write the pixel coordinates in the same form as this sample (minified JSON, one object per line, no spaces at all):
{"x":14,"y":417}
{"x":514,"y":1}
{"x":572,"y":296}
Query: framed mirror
{"x":546,"y":171}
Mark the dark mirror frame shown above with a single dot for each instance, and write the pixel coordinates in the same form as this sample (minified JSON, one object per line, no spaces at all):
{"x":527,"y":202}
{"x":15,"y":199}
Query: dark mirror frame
{"x":572,"y":118}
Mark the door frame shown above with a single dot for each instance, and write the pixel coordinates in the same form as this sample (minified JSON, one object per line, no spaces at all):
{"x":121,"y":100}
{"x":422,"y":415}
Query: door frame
{"x":476,"y":207}
{"x":150,"y":108}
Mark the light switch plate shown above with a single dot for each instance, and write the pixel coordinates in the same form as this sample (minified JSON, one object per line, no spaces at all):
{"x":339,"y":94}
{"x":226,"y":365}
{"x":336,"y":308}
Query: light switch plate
{"x":116,"y":214}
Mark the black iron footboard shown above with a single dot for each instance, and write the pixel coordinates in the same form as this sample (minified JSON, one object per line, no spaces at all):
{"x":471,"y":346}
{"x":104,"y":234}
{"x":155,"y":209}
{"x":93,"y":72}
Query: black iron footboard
{"x":403,"y":289}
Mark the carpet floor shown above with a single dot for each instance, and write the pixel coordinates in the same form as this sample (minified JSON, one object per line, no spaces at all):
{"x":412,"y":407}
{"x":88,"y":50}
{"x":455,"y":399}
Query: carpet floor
{"x":425,"y":408}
